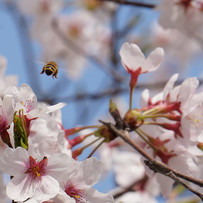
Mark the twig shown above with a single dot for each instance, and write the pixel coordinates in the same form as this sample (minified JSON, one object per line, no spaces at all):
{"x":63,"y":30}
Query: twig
{"x":178,"y":180}
{"x":132,"y":3}
{"x":115,"y":91}
{"x":155,"y":165}
{"x":94,"y":96}
{"x":129,"y":26}
{"x":119,"y":191}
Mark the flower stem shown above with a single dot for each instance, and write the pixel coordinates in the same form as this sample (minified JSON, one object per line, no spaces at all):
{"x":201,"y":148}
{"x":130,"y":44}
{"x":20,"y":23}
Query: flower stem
{"x":139,"y":132}
{"x":94,"y":150}
{"x":131,"y":97}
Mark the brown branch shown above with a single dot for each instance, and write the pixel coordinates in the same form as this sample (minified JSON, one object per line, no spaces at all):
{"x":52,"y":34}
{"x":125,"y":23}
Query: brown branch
{"x":178,"y":180}
{"x":119,"y":191}
{"x":94,"y":96}
{"x":132,"y":3}
{"x":113,"y":92}
{"x":155,"y":165}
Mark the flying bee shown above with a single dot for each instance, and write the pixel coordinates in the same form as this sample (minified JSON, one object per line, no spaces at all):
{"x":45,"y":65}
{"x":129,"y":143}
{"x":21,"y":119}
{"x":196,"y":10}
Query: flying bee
{"x":50,"y":68}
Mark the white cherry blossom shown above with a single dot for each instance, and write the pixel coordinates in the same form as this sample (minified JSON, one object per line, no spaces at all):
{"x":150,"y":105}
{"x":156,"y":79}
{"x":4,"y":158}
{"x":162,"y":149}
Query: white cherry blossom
{"x":179,"y":14}
{"x":135,"y":63}
{"x":6,"y":112}
{"x":32,"y":178}
{"x":46,"y":137}
{"x":133,"y":59}
{"x":26,"y":99}
{"x":78,"y":187}
{"x":128,"y":168}
{"x":40,"y":7}
{"x":6,"y":81}
{"x":136,"y":197}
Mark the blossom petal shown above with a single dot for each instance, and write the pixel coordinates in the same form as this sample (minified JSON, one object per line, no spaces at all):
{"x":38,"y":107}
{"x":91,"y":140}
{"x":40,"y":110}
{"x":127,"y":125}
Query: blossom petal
{"x":90,"y":171}
{"x":188,"y":89}
{"x":20,"y":188}
{"x":131,"y":56}
{"x":169,"y":86}
{"x":13,"y":161}
{"x":166,"y":184}
{"x":60,"y":166}
{"x":55,"y":107}
{"x":46,"y":188}
{"x":94,"y":196}
{"x":154,"y":60}
{"x":8,"y":107}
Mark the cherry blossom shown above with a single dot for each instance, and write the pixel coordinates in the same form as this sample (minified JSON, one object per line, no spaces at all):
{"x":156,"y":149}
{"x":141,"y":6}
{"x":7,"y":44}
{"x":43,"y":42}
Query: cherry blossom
{"x":174,"y":60}
{"x":78,"y":187}
{"x":128,"y":168}
{"x":6,"y":118}
{"x":179,"y":13}
{"x":46,"y":136}
{"x":26,"y":99}
{"x":136,"y":197}
{"x":3,"y":195}
{"x":6,"y":81}
{"x":145,"y":147}
{"x":135,"y":62}
{"x":32,"y":178}
{"x":40,"y":7}
{"x":100,"y":10}
{"x":175,"y":147}
{"x":6,"y":112}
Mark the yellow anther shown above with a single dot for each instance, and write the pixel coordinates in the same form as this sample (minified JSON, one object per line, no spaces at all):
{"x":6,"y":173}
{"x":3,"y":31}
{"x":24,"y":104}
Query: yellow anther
{"x":77,"y":196}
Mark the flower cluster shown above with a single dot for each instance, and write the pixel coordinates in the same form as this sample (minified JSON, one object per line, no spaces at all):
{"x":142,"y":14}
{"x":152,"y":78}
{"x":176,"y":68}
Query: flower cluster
{"x":36,"y":155}
{"x":40,"y":156}
{"x":154,"y":148}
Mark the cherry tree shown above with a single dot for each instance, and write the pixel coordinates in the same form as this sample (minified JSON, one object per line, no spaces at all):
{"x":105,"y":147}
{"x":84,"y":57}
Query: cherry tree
{"x":123,"y":102}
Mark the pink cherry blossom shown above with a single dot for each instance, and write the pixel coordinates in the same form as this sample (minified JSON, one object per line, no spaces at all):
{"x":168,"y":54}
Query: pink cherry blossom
{"x":5,"y":81}
{"x":179,"y":14}
{"x":32,"y":178}
{"x":136,"y":197}
{"x":26,"y":100}
{"x":46,"y":137}
{"x":127,"y":167}
{"x":135,"y":62}
{"x":78,"y":187}
{"x":40,"y":7}
{"x":6,"y":112}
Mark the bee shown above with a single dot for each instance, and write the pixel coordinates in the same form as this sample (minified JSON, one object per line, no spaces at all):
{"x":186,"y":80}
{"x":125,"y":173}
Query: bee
{"x":50,"y":68}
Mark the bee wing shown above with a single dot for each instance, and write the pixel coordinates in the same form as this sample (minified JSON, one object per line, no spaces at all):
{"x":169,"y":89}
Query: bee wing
{"x":40,"y":62}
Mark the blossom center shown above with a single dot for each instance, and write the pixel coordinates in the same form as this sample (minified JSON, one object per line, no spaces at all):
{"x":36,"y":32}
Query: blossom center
{"x":37,"y":169}
{"x":29,"y":105}
{"x":184,"y":3}
{"x":75,"y":193}
{"x":196,"y":119}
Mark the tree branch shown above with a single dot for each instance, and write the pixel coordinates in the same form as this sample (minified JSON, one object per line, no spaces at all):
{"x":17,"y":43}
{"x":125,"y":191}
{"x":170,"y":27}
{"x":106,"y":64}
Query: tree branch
{"x":155,"y":165}
{"x":115,"y":91}
{"x":119,"y":191}
{"x":132,"y":3}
